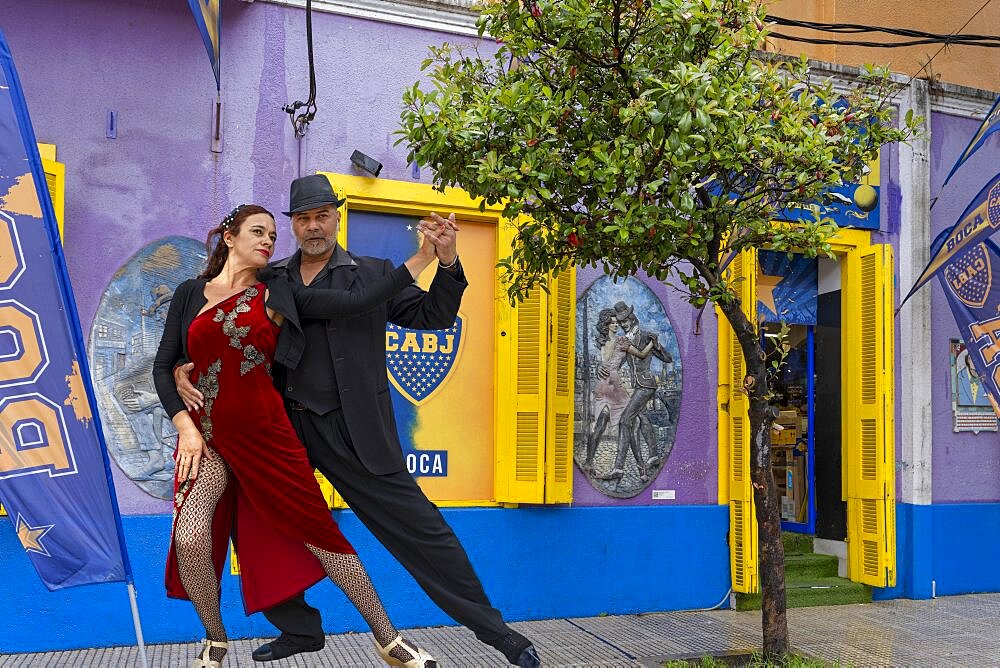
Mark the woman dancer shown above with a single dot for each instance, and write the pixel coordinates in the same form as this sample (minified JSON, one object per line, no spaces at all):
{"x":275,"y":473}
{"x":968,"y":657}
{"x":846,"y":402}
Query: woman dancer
{"x":610,"y":395}
{"x":241,"y":471}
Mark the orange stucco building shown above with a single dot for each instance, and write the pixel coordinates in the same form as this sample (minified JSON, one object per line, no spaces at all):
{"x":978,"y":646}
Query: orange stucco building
{"x":977,"y":67}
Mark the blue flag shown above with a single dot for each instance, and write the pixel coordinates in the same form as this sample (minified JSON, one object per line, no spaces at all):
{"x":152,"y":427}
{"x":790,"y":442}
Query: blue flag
{"x":787,"y":288}
{"x":978,"y":222}
{"x":971,"y":281}
{"x":989,"y":125}
{"x":208,"y":16}
{"x":54,"y":477}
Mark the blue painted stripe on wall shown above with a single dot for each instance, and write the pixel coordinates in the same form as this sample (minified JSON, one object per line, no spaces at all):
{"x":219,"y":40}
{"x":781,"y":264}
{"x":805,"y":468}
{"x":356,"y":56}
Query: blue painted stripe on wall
{"x":966,"y":544}
{"x":535,"y":563}
{"x":953,"y":545}
{"x":913,"y":565}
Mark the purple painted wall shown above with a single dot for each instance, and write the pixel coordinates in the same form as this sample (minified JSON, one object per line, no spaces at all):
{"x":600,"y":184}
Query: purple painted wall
{"x":966,"y":466}
{"x":145,"y":60}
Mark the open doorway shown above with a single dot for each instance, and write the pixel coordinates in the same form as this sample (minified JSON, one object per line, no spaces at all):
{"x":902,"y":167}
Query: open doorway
{"x":792,"y":447}
{"x":807,"y":449}
{"x":806,"y":444}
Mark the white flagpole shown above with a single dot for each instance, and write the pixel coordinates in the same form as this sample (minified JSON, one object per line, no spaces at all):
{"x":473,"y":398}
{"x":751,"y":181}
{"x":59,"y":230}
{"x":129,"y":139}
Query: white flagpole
{"x":138,"y":625}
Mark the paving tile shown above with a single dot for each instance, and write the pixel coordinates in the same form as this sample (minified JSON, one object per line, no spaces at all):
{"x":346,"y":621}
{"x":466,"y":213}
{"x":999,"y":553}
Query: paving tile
{"x":951,"y":631}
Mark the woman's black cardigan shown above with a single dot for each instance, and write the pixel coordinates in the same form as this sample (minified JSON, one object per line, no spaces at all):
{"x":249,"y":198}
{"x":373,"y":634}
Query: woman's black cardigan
{"x":284,"y":296}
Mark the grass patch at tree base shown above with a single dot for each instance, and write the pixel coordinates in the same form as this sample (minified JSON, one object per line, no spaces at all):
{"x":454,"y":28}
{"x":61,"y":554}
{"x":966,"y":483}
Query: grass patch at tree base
{"x":741,"y":659}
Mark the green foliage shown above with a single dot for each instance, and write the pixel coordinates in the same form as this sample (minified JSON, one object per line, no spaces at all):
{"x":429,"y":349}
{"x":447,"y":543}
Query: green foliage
{"x":641,"y":134}
{"x":754,"y":661}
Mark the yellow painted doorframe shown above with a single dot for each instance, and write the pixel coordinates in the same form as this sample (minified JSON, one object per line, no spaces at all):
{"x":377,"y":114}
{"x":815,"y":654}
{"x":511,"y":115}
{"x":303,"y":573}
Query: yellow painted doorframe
{"x":533,"y":445}
{"x":408,"y":199}
{"x":867,"y":397}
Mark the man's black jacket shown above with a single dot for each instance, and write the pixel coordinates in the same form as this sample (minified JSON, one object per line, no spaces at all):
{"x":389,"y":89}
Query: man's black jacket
{"x":357,"y":347}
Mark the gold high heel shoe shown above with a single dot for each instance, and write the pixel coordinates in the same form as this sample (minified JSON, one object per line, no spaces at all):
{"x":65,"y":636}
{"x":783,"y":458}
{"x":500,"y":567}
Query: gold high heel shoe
{"x":421,"y":659}
{"x":203,"y":661}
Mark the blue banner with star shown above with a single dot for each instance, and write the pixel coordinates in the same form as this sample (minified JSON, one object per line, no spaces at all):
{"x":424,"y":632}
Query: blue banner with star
{"x":55,"y":480}
{"x":971,"y":282}
{"x":787,"y":288}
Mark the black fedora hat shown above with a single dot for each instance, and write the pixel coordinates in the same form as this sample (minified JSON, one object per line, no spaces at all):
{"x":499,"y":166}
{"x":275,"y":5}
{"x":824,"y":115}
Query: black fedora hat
{"x":311,"y":192}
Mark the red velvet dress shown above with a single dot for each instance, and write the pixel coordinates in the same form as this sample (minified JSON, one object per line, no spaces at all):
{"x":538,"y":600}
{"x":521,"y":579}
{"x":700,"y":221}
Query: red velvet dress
{"x":273,"y":504}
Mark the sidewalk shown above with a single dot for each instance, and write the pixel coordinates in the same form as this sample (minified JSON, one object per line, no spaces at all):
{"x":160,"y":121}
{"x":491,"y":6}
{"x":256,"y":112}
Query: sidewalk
{"x":951,"y":631}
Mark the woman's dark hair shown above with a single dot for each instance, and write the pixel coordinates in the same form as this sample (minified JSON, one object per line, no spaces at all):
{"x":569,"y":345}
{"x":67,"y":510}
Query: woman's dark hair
{"x":217,"y":249}
{"x":604,"y":320}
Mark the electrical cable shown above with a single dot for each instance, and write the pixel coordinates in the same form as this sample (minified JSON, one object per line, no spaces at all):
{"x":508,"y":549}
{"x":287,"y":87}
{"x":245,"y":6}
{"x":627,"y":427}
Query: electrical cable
{"x":725,"y":599}
{"x":931,"y":59}
{"x":300,"y":122}
{"x":883,"y":45}
{"x":855,"y":28}
{"x":920,"y":37}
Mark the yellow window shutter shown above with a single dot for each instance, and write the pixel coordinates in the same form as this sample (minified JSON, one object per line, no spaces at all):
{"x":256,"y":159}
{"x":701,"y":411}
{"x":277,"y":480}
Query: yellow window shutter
{"x":55,"y":178}
{"x":742,"y":519}
{"x":869,"y":428}
{"x":520,"y":401}
{"x":559,"y":404}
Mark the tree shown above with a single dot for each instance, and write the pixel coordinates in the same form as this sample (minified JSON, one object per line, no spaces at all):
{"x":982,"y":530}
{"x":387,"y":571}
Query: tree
{"x":651,"y":135}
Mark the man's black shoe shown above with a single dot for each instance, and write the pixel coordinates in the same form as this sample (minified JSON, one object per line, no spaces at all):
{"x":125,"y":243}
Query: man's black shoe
{"x":283,"y":647}
{"x":518,"y":650}
{"x":529,"y":658}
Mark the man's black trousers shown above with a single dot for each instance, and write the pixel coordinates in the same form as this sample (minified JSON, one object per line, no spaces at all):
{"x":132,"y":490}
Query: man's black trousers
{"x":398,"y":514}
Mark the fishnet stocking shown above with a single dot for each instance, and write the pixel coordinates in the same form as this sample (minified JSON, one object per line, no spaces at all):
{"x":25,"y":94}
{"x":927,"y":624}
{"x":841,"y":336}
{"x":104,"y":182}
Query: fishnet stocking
{"x":348,"y":573}
{"x":193,"y":543}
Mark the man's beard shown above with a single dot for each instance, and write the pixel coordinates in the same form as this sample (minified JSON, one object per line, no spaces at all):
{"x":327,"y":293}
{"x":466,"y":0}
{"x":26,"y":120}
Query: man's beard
{"x":317,"y":247}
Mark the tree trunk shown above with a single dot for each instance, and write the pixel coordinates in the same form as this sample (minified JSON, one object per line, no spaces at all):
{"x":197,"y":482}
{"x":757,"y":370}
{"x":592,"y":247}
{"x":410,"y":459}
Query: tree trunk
{"x":765,"y":496}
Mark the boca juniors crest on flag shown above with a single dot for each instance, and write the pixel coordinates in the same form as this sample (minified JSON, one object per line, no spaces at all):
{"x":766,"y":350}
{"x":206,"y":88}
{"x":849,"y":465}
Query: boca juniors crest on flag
{"x":974,"y":298}
{"x":980,"y":220}
{"x":970,"y":276}
{"x":419,"y":361}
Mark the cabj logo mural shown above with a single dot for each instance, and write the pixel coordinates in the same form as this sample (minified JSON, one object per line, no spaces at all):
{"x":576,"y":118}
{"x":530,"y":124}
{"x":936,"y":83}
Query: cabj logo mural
{"x":419,"y":361}
{"x":430,"y":372}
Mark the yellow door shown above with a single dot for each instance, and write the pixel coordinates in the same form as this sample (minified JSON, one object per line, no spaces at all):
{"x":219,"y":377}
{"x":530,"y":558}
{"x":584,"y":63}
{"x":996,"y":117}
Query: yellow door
{"x":521,"y":344}
{"x":535,"y":373}
{"x":869,"y":420}
{"x":742,"y":522}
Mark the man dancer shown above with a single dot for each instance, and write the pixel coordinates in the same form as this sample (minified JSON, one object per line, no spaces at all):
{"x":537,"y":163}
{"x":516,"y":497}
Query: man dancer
{"x":338,"y":401}
{"x":643,"y":390}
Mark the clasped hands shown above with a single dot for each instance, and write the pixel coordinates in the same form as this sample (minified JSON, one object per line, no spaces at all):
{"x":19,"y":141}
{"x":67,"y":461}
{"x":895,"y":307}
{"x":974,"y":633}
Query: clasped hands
{"x":442,"y":233}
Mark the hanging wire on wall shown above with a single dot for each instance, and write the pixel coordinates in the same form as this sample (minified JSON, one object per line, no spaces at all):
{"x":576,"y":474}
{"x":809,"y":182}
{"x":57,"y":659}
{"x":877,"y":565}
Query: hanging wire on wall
{"x":918,"y":37}
{"x":302,"y":113}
